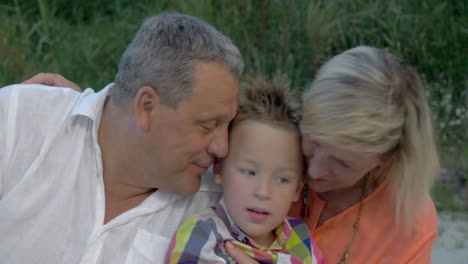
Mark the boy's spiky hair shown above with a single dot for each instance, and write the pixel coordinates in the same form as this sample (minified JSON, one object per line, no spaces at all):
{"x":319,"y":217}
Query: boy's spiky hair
{"x":271,"y":101}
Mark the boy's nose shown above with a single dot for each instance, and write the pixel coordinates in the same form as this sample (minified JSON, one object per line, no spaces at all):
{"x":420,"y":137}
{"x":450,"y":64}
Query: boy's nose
{"x":263,"y":190}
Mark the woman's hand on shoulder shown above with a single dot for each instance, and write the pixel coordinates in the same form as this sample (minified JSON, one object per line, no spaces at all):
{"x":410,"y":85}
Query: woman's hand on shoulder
{"x":237,"y":254}
{"x":52,"y":79}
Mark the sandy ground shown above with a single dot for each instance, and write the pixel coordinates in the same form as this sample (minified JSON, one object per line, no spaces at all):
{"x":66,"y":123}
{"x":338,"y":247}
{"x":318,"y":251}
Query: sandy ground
{"x":451,"y":246}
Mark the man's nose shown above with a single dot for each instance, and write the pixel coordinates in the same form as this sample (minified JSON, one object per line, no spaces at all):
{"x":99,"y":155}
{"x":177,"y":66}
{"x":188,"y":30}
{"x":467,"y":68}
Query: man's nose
{"x":219,"y":145}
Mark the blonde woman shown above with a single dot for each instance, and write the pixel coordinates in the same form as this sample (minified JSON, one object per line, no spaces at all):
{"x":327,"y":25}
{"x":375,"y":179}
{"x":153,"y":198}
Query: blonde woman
{"x":368,"y":143}
{"x":371,"y":162}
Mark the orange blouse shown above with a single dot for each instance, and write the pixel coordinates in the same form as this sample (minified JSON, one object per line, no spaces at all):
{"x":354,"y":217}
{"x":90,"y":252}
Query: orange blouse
{"x":378,"y":239}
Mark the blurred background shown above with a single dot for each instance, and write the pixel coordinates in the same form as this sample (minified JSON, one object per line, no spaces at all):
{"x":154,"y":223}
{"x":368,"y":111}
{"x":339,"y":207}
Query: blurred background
{"x":83,"y":40}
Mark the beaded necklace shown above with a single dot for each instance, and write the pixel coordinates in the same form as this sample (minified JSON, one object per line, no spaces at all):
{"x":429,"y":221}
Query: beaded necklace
{"x":345,"y":256}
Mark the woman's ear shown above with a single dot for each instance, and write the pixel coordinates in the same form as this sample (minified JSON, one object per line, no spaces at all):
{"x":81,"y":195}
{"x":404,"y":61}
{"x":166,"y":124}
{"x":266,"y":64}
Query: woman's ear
{"x":217,"y":170}
{"x":146,"y":102}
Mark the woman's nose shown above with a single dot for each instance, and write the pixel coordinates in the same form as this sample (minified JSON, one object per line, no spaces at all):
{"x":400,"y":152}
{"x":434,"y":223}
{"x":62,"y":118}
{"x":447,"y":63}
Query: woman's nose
{"x":317,"y":167}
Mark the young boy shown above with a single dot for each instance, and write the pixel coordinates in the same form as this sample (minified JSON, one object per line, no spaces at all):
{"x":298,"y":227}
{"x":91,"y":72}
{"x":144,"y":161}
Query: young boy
{"x":261,"y":176}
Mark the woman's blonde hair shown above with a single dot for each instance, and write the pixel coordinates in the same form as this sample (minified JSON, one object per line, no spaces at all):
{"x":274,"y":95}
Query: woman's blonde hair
{"x":367,"y":100}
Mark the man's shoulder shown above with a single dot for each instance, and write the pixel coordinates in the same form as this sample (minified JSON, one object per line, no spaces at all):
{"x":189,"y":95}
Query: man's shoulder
{"x":40,"y":92}
{"x":34,"y":105}
{"x":41,"y":108}
{"x":34,"y":101}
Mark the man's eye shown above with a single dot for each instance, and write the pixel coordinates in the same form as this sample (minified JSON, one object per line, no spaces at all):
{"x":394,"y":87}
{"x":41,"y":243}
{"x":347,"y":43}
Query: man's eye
{"x":206,"y":128}
{"x":209,"y":126}
{"x":248,"y":172}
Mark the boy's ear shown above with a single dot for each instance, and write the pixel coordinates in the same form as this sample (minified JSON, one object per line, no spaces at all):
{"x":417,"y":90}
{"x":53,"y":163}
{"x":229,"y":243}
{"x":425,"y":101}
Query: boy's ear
{"x":217,"y":169}
{"x":145,"y":104}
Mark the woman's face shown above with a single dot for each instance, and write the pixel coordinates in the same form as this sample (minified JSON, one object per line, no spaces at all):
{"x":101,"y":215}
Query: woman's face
{"x":330,"y":167}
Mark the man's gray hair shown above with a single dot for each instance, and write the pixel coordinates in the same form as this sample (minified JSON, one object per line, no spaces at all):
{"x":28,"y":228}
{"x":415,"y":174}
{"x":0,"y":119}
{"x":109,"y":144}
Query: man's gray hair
{"x":163,"y":53}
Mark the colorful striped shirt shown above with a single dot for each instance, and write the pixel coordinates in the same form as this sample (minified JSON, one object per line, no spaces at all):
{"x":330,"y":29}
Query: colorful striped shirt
{"x":201,"y":240}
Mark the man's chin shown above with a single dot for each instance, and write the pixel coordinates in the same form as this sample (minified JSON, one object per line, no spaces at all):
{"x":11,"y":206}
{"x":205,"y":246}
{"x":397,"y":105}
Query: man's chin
{"x":188,"y":188}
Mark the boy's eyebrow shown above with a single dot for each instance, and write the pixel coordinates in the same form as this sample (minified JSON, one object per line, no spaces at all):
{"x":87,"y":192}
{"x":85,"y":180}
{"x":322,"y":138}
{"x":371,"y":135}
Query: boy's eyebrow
{"x":246,"y":160}
{"x":286,"y":169}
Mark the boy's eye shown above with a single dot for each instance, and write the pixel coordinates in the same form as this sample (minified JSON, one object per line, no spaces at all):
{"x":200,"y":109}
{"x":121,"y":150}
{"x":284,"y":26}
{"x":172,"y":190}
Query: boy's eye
{"x":248,"y":172}
{"x":282,"y":180}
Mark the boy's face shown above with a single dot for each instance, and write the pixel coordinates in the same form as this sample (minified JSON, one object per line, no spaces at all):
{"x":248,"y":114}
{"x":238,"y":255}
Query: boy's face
{"x":261,"y":175}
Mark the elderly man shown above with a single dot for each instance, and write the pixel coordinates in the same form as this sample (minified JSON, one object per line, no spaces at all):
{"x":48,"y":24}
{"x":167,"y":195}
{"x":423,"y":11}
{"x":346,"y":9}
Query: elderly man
{"x":104,"y":177}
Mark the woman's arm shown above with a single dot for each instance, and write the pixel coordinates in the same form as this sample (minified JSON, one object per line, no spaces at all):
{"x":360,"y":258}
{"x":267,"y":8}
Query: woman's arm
{"x":52,"y":79}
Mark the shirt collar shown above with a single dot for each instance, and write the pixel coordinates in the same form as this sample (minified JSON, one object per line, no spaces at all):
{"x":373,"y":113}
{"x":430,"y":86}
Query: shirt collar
{"x":281,"y":234}
{"x":91,"y":103}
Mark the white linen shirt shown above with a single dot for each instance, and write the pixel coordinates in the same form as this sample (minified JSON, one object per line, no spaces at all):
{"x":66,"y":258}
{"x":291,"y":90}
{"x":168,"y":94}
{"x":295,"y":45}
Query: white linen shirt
{"x":51,"y":188}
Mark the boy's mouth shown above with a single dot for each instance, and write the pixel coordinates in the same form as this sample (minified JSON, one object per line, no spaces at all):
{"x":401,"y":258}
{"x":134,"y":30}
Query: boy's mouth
{"x":257,"y":215}
{"x":258,"y":211}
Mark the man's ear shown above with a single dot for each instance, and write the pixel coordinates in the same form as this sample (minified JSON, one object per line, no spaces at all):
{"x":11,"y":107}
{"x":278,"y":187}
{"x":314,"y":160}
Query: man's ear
{"x":217,"y":170}
{"x":147,"y":101}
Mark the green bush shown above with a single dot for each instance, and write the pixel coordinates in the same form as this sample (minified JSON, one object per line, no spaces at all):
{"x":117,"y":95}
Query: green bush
{"x":446,"y":199}
{"x":83,"y":40}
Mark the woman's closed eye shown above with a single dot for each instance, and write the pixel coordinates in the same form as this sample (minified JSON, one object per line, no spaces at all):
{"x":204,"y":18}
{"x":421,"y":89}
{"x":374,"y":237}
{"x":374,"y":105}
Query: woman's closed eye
{"x":342,"y":163}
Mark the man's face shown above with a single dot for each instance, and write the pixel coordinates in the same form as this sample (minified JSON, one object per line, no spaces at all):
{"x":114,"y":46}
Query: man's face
{"x":184,"y":141}
{"x":261,"y":177}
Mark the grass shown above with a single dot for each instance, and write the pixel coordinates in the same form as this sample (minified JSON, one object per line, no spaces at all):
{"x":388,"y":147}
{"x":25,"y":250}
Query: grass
{"x":445,"y":198}
{"x":83,"y":40}
{"x":460,"y":245}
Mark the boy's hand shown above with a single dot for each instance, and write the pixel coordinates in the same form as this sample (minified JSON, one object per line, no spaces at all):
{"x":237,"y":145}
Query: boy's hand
{"x":52,"y":79}
{"x":237,"y":254}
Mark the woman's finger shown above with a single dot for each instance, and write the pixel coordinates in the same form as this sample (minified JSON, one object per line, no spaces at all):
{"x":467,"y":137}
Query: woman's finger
{"x":52,"y":79}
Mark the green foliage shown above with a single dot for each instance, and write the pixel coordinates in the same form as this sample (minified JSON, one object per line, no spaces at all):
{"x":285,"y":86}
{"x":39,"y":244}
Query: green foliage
{"x":445,"y":198}
{"x":83,"y":40}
